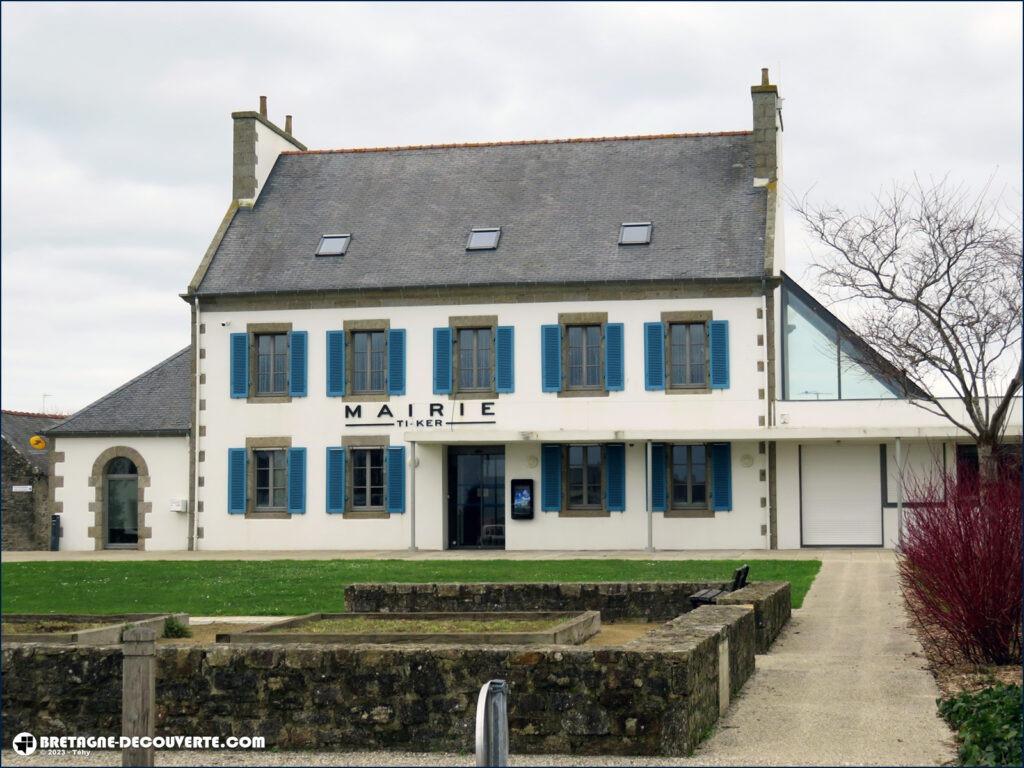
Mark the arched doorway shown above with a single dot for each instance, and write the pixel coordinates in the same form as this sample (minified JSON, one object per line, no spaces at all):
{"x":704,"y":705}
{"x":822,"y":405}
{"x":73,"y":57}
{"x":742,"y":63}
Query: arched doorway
{"x":121,"y":478}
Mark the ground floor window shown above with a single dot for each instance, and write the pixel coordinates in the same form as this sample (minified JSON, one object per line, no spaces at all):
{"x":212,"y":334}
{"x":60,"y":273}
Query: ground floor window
{"x":367,"y":478}
{"x":585,"y":485}
{"x":688,"y":475}
{"x":271,"y":477}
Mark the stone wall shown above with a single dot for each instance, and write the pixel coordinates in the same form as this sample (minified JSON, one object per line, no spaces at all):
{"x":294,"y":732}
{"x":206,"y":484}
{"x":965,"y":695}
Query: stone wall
{"x":658,"y":695}
{"x":26,"y":517}
{"x":772,"y":604}
{"x":617,"y":601}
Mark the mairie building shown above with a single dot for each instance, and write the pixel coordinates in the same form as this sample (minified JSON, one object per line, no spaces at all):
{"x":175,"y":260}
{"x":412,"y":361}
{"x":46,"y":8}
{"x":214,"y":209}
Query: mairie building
{"x":581,"y":344}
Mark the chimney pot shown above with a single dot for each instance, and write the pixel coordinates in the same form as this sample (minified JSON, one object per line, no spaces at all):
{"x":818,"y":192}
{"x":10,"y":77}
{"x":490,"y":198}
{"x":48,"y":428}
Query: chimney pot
{"x":288,"y":124}
{"x":263,"y":106}
{"x":764,"y":76}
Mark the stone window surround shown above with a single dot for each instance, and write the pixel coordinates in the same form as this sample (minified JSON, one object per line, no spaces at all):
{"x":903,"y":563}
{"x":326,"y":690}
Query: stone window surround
{"x":253,"y":444}
{"x":667,"y":319}
{"x":457,"y":323}
{"x":364,"y":441}
{"x":566,"y":510}
{"x":565,"y":320}
{"x":98,"y":530}
{"x":691,"y":512}
{"x":349,"y":326}
{"x":260,"y":328}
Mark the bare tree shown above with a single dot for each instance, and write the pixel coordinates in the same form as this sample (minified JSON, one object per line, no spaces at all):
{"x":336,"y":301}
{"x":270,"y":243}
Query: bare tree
{"x":936,"y":274}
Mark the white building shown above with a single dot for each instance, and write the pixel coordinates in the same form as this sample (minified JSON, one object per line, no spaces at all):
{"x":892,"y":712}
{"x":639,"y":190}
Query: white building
{"x":570,"y":344}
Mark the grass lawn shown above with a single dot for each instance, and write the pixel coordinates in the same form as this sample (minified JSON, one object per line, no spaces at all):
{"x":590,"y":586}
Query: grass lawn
{"x":291,"y":587}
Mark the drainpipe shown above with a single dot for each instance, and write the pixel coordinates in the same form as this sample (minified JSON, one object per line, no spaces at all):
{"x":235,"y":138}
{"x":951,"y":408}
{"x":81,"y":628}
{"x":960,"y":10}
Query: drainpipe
{"x":412,"y":496}
{"x":650,"y":507}
{"x":899,"y":492}
{"x":193,"y":542}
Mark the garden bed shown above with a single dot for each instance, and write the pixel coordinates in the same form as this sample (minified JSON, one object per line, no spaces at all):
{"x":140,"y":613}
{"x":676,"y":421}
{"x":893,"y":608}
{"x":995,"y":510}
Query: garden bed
{"x":490,"y":628}
{"x":75,"y":629}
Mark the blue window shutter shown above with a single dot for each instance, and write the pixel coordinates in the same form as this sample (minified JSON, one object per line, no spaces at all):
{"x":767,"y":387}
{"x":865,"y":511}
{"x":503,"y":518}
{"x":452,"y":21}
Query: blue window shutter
{"x":442,"y":361}
{"x":721,"y":477}
{"x":505,"y":359}
{"x":237,"y":462}
{"x":614,"y":357}
{"x":396,"y":361}
{"x":659,"y":493}
{"x":297,"y":481}
{"x":654,"y":356}
{"x":551,"y":477}
{"x":335,"y":363}
{"x":615,"y":458}
{"x":239,"y":364}
{"x":718,"y":347}
{"x":551,"y":358}
{"x":335,"y":480}
{"x":396,"y":478}
{"x":298,"y":343}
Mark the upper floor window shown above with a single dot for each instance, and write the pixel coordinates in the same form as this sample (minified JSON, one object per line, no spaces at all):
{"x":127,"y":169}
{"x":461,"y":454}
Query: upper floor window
{"x":272,"y":363}
{"x":475,"y":356}
{"x":483,"y":239}
{"x":367,"y":478}
{"x":689,"y":476}
{"x":687,"y":355}
{"x":585,"y":479}
{"x":270,"y":481}
{"x":368,"y":361}
{"x":585,"y":358}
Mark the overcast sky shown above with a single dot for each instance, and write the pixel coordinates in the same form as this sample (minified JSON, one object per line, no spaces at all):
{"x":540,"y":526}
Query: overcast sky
{"x":116,"y":134}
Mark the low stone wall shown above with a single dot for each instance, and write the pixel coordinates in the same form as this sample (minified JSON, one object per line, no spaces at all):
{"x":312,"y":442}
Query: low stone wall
{"x":617,"y":601}
{"x":773,"y":605}
{"x":658,"y":695}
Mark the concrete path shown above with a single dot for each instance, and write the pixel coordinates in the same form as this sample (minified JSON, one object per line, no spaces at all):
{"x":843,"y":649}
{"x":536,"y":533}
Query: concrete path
{"x":845,"y":684}
{"x":855,"y":555}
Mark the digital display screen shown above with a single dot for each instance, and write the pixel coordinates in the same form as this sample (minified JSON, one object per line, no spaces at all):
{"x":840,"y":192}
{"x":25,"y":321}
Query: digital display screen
{"x":522,"y":499}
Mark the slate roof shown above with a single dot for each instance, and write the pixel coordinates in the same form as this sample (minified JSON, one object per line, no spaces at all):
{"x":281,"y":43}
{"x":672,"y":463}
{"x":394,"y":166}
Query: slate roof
{"x":17,"y":427}
{"x":156,"y":402}
{"x":559,"y":205}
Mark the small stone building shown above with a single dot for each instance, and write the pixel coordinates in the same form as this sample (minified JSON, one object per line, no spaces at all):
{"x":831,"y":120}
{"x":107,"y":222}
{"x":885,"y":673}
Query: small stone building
{"x":26,"y":488}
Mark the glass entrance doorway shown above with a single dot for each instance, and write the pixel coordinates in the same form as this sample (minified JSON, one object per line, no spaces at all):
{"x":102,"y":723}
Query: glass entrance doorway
{"x":476,"y":497}
{"x":122,"y":479}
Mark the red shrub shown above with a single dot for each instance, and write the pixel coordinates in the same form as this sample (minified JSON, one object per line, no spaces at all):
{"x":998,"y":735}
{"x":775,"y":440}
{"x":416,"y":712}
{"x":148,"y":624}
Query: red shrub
{"x":960,"y":567}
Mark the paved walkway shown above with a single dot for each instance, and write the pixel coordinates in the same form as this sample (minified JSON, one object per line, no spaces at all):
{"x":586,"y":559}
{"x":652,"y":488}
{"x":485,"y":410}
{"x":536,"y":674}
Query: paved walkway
{"x":856,"y":555}
{"x":845,"y":684}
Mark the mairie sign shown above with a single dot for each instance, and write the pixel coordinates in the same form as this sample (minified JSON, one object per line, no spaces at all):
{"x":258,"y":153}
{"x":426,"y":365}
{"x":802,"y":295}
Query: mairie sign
{"x":419,"y":415}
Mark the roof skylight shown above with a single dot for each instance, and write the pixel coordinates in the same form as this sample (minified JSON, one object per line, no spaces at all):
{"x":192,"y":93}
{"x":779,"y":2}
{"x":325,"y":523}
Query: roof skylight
{"x":483,"y":239}
{"x":333,"y":245}
{"x":635,"y":233}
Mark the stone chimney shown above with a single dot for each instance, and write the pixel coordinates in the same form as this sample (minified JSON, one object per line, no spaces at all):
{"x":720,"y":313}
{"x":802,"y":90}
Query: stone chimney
{"x":257,"y":144}
{"x":767,"y":127}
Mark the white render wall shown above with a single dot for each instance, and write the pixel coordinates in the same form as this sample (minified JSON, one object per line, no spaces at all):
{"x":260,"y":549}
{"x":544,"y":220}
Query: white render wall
{"x":167,"y":461}
{"x":316,"y":422}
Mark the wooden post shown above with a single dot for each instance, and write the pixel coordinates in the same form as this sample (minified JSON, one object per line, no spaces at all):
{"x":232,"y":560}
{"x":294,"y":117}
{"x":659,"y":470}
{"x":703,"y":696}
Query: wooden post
{"x":138,"y":692}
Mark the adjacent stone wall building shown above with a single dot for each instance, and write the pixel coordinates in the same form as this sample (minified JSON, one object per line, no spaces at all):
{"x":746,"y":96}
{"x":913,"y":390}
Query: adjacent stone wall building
{"x":26,"y":488}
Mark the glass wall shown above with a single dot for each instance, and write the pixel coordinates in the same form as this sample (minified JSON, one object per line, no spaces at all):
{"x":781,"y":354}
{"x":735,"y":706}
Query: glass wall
{"x":817,"y":365}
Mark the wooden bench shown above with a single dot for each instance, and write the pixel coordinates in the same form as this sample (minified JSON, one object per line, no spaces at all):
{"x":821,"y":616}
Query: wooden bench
{"x":708,"y":596}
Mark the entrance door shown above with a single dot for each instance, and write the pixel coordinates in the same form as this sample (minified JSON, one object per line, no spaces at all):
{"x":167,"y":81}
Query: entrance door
{"x":476,"y":497}
{"x":122,"y":503}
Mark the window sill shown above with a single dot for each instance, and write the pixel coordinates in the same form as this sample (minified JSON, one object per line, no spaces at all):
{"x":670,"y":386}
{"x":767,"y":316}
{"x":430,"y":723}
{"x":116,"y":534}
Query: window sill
{"x":475,"y":394}
{"x":368,"y":397}
{"x":583,"y":393}
{"x":690,"y":513}
{"x":366,"y":514}
{"x":261,"y":514}
{"x":584,"y":513}
{"x":704,"y":390}
{"x":269,"y":399}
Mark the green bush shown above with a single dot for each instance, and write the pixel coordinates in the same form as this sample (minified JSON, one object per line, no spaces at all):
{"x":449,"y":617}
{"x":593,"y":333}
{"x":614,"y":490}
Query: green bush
{"x":174,"y":628}
{"x":988,"y":724}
